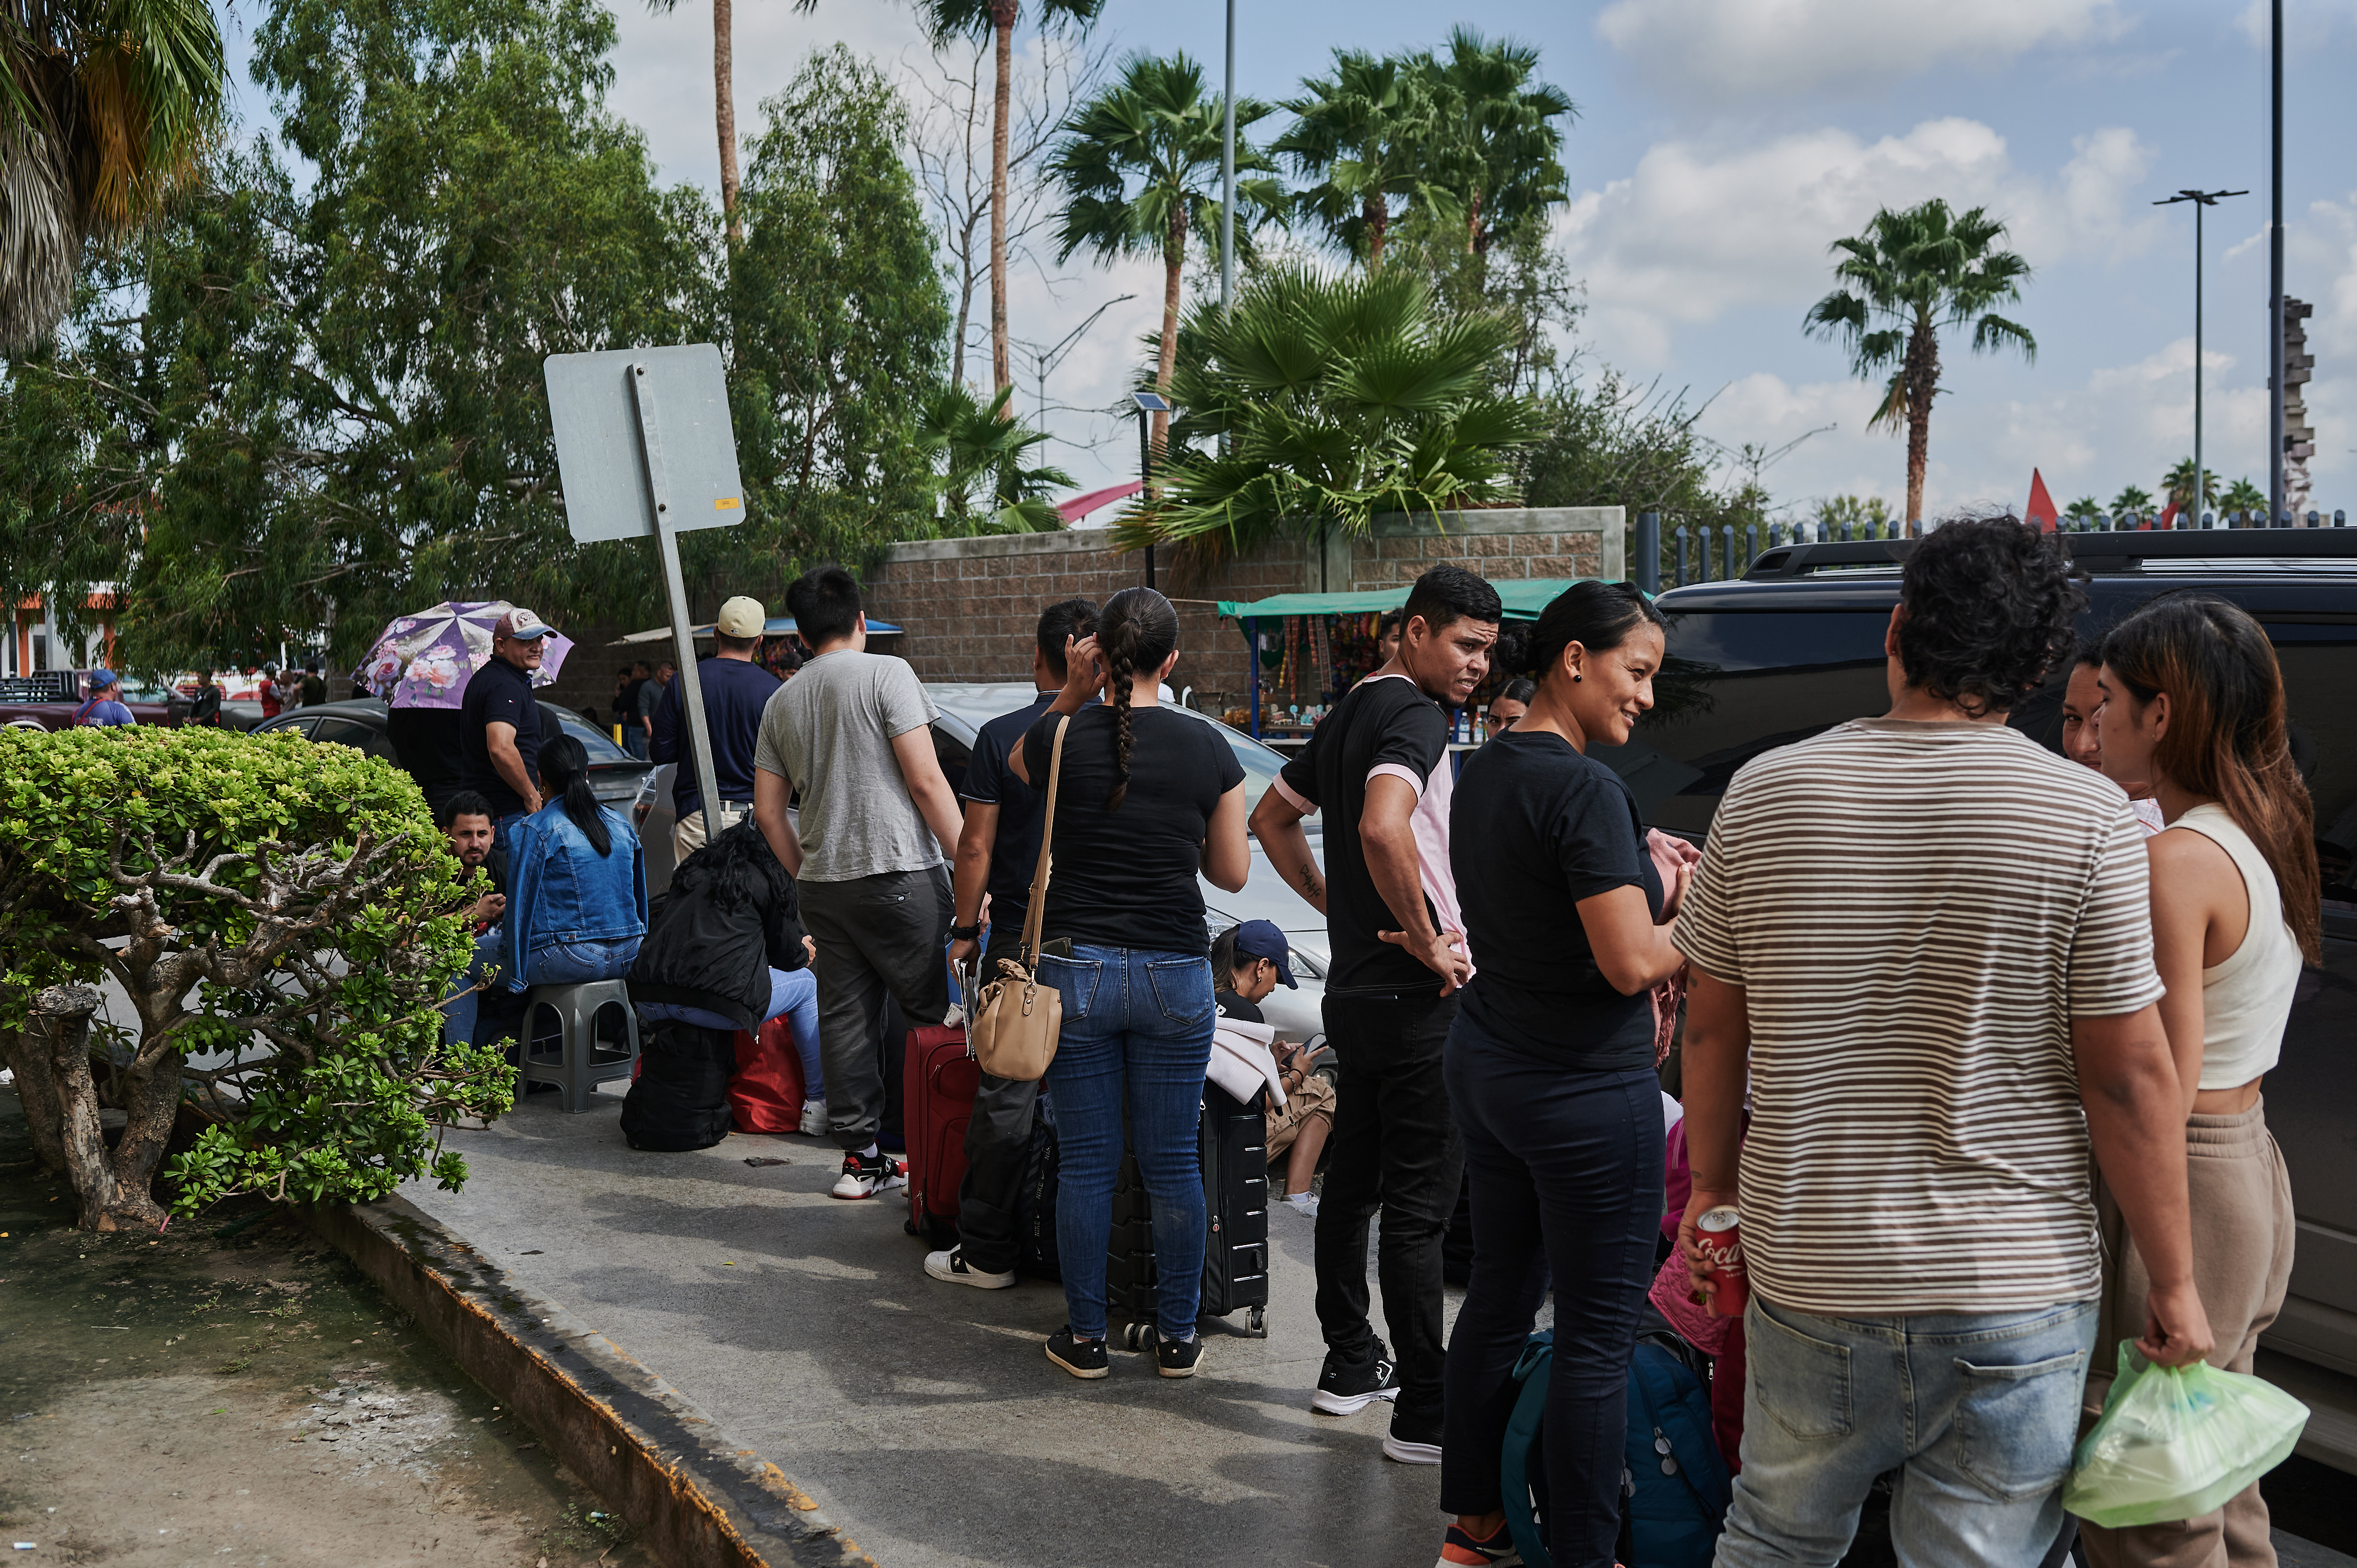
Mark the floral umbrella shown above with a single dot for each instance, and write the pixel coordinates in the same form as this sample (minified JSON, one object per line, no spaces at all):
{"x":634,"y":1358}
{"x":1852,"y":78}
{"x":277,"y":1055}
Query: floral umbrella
{"x":425,"y":661}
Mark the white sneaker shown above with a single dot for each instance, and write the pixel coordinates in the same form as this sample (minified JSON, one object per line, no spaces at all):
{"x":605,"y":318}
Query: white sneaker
{"x":1302,"y":1203}
{"x":813,"y":1119}
{"x":952,"y":1267}
{"x":866,"y":1177}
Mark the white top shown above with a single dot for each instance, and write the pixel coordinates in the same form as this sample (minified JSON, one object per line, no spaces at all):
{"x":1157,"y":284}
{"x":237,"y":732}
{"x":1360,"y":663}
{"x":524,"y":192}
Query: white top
{"x":2247,"y":999}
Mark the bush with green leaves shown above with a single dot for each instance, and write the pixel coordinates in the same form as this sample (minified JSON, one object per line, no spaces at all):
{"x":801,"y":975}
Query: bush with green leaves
{"x":284,"y":920}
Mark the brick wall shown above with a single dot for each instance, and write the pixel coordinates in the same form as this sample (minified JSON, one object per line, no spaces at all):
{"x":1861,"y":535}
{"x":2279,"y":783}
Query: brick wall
{"x":1501,"y":543}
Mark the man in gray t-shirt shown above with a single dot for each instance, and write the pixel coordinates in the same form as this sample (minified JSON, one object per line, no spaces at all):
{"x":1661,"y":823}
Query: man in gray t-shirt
{"x":852,"y":733}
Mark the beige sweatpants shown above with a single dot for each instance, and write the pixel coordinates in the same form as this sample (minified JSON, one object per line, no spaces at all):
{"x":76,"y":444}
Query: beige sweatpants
{"x":2243,"y":1233}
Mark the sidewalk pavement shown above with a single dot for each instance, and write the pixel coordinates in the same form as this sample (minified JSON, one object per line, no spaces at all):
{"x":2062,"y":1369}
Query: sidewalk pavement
{"x":923,"y":1417}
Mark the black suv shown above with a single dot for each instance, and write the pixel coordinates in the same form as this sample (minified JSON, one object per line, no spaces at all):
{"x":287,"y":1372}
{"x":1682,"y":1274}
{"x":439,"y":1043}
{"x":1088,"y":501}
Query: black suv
{"x":1795,"y":647}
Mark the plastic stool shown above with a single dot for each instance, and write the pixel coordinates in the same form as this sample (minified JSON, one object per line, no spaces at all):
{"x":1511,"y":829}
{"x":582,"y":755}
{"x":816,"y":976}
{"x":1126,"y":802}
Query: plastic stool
{"x":581,"y":1062}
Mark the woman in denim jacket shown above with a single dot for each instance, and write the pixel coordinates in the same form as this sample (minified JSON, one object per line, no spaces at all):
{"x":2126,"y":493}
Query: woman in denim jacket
{"x":576,"y":882}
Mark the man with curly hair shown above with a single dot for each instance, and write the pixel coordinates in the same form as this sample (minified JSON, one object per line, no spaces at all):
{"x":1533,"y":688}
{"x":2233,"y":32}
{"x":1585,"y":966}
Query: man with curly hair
{"x":1921,"y":942}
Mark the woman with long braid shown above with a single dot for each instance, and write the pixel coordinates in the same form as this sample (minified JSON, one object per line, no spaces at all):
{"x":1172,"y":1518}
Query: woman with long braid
{"x":1146,"y":799}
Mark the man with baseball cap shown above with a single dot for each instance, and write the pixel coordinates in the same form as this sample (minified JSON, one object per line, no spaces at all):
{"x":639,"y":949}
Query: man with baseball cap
{"x":501,"y":722}
{"x":735,"y":690}
{"x":105,"y":709}
{"x":1248,"y":961}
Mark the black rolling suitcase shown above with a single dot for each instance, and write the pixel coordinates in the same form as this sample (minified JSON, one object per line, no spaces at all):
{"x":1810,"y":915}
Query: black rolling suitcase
{"x":1233,"y":1144}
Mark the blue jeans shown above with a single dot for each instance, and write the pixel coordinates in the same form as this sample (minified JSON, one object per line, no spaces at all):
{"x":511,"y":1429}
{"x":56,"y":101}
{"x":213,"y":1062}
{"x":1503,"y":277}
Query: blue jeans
{"x":791,"y":992}
{"x":576,"y":963}
{"x":1976,"y":1412}
{"x":466,"y":1000}
{"x":1139,"y":1021}
{"x":1566,"y":1170}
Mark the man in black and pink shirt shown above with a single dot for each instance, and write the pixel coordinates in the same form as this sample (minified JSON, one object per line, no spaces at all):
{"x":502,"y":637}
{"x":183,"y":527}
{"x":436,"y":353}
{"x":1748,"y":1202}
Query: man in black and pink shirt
{"x":1378,"y":768}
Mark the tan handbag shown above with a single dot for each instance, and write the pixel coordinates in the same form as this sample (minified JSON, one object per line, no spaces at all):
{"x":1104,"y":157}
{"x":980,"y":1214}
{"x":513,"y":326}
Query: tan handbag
{"x":1016,"y":1018}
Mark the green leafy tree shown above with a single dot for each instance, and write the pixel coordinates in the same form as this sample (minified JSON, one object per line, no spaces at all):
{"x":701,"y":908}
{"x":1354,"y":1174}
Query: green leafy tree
{"x":1369,"y":139}
{"x":2133,"y":500}
{"x":1913,"y":274}
{"x":2176,"y":487}
{"x":1855,"y":511}
{"x":104,"y":105}
{"x":986,"y":455}
{"x":283,"y":910}
{"x":838,"y":325}
{"x":1500,"y":148}
{"x":1337,"y":399}
{"x":2244,"y":497}
{"x":2085,"y":506}
{"x":1140,"y":168}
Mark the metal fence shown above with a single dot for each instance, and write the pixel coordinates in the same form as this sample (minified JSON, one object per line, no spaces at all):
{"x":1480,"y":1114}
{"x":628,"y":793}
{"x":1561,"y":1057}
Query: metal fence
{"x":1700,"y":553}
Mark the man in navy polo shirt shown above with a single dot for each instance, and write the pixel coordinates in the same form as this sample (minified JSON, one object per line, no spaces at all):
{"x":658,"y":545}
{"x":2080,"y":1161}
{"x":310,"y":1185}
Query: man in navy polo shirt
{"x":501,"y":734}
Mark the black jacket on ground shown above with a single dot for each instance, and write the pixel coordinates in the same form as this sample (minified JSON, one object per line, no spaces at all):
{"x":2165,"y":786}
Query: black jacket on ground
{"x":730,"y":916}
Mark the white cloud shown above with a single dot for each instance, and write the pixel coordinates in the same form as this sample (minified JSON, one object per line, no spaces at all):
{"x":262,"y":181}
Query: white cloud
{"x":1786,"y":48}
{"x":1693,"y":232}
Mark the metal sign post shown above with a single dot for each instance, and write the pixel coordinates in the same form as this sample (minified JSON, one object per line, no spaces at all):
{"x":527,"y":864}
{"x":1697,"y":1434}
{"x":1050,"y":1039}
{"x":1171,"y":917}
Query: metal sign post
{"x":644,"y":447}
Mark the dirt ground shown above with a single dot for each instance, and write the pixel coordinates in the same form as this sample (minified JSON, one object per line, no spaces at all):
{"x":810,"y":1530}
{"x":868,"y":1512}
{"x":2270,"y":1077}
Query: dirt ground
{"x":235,"y":1392}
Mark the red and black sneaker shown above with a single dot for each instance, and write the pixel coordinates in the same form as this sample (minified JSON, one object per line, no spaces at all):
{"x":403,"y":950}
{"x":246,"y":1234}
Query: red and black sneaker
{"x":1459,"y":1549}
{"x":864,"y":1176}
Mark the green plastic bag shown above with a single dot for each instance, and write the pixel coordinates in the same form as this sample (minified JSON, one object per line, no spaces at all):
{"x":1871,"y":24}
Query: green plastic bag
{"x":2176,"y":1442}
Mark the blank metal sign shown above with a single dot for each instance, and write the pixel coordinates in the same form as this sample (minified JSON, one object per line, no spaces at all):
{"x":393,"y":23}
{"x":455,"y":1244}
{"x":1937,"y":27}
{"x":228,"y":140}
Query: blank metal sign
{"x":596,"y":423}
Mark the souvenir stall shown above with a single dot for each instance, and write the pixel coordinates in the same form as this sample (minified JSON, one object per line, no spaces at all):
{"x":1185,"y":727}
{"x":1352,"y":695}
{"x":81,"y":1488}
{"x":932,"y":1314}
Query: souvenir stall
{"x":1306,"y":650}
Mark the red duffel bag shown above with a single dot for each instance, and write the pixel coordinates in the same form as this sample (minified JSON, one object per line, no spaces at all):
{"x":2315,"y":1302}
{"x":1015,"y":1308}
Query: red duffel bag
{"x":765,"y":1094}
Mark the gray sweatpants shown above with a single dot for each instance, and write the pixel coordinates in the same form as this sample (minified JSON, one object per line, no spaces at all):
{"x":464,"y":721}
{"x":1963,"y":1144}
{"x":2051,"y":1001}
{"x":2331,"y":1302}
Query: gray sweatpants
{"x":875,"y":934}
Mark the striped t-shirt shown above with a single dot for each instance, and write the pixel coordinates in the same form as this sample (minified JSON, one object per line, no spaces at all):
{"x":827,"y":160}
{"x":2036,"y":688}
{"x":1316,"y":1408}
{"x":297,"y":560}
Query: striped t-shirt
{"x":1916,"y":912}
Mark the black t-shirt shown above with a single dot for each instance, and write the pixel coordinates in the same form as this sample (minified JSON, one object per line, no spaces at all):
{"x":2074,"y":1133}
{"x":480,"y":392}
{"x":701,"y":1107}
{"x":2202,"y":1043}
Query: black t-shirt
{"x":431,"y":745}
{"x":1232,"y":1005}
{"x":1385,"y":724}
{"x":1537,"y":827}
{"x":989,"y":781}
{"x":500,"y":693}
{"x":626,"y":706}
{"x":1126,"y":878}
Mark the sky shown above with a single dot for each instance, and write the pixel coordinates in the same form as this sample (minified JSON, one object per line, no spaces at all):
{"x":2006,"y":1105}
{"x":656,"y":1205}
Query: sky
{"x":1721,"y":146}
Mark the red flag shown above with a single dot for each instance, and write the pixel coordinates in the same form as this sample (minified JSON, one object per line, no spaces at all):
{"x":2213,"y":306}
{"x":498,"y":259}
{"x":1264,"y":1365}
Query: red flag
{"x":2041,"y":505}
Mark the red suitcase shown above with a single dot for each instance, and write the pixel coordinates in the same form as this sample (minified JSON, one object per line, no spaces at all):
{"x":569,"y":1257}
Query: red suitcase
{"x":941,"y":1080}
{"x":765,"y":1095}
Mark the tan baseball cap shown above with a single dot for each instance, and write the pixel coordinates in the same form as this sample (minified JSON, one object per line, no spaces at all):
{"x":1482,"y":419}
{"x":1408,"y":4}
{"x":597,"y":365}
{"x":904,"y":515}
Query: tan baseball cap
{"x":741,"y":617}
{"x":522,"y":624}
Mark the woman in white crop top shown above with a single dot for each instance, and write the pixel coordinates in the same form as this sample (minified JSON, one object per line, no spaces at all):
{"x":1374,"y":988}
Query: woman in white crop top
{"x":2193,"y":701}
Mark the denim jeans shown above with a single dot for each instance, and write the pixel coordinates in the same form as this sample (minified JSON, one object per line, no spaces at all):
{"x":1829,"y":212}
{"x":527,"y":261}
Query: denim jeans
{"x":1566,"y":1173}
{"x":1395,"y":1147}
{"x":466,"y":1000}
{"x":1976,"y":1412}
{"x":577,"y":964}
{"x":1137,"y":1021}
{"x":793,"y":993}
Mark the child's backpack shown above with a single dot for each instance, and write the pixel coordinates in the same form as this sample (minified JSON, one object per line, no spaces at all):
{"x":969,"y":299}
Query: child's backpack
{"x":1675,"y":1486}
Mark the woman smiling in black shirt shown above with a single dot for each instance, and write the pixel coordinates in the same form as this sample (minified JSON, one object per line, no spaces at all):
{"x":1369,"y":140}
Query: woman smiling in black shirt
{"x":1550,"y":1070}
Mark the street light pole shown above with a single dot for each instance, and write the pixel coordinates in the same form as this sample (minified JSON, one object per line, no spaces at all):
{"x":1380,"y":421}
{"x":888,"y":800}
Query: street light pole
{"x":2200,"y":200}
{"x":1228,"y":179}
{"x":1149,"y":405}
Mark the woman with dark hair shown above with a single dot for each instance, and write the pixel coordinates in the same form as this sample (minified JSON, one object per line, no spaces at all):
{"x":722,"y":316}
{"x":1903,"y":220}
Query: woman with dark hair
{"x":1550,"y":1071}
{"x":2194,"y":703}
{"x":1146,"y":799}
{"x":576,"y":882}
{"x":1513,"y":701}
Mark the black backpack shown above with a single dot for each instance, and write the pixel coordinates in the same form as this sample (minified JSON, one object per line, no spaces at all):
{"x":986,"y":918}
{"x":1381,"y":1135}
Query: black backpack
{"x":680,"y":1100}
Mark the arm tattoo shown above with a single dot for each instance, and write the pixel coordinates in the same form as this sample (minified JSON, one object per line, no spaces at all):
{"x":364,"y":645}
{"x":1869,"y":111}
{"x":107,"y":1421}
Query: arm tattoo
{"x":1310,"y":884}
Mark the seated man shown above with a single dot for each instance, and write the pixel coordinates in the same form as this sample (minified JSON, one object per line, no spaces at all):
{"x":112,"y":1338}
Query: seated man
{"x":466,"y":822}
{"x":1248,"y":961}
{"x":725,"y":950}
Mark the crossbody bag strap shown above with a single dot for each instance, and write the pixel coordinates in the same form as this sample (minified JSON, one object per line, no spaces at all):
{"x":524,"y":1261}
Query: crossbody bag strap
{"x":1039,"y":909}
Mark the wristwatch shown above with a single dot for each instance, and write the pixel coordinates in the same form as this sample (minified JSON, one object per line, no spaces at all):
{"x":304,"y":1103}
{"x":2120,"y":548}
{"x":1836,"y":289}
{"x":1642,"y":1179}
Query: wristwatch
{"x":966,"y":933}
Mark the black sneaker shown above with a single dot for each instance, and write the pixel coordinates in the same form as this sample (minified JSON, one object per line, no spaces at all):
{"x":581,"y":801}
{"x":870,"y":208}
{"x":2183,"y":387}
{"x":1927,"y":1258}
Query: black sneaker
{"x":1081,"y":1357}
{"x":1415,"y":1437}
{"x":865,"y":1176}
{"x":1346,"y":1387}
{"x":1172,"y":1358}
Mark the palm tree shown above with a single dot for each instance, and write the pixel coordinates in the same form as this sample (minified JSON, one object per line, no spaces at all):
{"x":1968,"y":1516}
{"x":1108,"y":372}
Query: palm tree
{"x":1367,"y":135}
{"x":1322,"y":401}
{"x":2242,"y":496}
{"x":986,"y":453}
{"x":2085,"y":506}
{"x":1505,"y":165}
{"x":723,"y":98}
{"x":1140,"y":165}
{"x":104,"y":107}
{"x":1912,"y":274}
{"x":2177,"y":485}
{"x":2131,"y":501}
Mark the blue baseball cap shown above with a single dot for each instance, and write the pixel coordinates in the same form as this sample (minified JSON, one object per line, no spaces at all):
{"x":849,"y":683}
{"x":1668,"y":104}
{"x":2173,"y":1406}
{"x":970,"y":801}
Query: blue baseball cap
{"x":100,"y":680}
{"x":1261,"y":938}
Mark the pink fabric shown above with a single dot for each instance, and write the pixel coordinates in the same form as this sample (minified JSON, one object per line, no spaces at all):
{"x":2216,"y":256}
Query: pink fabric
{"x":1290,"y":796}
{"x":1393,"y":770}
{"x":1677,"y":1180}
{"x":1697,"y":1325}
{"x":1430,"y":824}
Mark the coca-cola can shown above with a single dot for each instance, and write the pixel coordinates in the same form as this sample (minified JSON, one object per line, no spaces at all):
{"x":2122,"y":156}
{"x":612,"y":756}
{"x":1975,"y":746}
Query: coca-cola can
{"x":1721,"y":1242}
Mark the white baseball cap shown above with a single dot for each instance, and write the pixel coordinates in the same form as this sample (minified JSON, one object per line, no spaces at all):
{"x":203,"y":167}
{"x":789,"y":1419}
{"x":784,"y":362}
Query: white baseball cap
{"x":741,"y":617}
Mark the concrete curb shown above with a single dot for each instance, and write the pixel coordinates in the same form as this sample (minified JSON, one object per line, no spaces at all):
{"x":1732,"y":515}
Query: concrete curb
{"x":697,"y":1499}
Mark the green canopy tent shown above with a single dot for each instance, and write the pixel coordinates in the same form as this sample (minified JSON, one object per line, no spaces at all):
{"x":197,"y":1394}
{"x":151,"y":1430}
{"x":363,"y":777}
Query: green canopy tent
{"x":1523,"y":598}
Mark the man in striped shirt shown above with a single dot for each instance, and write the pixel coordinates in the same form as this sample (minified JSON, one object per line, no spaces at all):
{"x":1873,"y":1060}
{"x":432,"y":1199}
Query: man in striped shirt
{"x":1925,"y":940}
